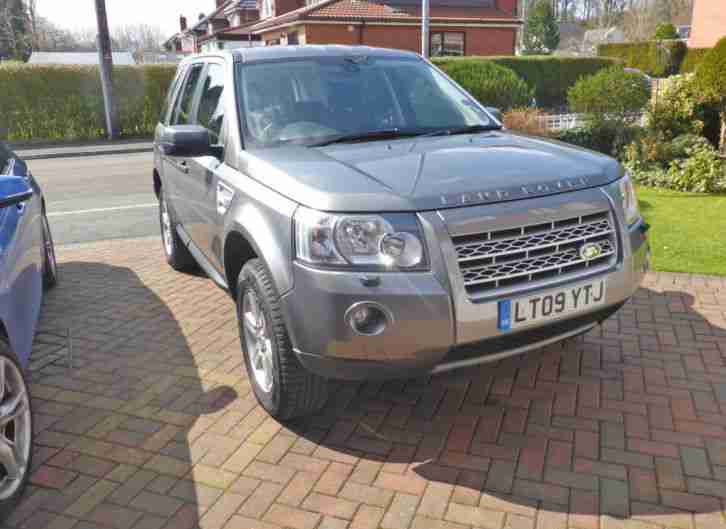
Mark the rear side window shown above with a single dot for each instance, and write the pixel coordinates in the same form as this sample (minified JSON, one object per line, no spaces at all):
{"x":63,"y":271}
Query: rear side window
{"x":183,"y":112}
{"x":211,"y":103}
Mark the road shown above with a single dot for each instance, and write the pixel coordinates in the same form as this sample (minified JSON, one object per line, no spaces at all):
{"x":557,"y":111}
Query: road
{"x":98,"y":197}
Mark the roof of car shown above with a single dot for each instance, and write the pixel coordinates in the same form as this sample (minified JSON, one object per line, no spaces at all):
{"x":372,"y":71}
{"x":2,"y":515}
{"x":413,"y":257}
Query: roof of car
{"x":266,"y":53}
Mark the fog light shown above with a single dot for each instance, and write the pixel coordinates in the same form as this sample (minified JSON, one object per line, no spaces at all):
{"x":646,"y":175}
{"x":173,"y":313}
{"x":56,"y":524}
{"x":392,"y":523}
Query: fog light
{"x":367,"y":318}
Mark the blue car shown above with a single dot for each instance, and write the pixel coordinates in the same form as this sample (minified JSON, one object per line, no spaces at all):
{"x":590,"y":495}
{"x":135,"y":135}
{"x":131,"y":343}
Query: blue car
{"x":27,"y":268}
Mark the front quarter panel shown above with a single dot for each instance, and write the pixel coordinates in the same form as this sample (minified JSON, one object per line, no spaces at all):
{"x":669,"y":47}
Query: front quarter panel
{"x":264,"y":218}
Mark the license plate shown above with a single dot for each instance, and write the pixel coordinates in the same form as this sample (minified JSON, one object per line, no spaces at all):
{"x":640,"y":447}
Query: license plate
{"x":514,"y":313}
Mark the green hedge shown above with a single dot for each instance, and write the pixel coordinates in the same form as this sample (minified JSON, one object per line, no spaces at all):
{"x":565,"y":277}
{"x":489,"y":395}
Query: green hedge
{"x":693,"y":58}
{"x":66,"y":102}
{"x":551,"y":77}
{"x":659,"y":58}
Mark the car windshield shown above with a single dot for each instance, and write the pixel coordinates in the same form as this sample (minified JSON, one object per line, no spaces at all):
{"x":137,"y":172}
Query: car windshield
{"x":323,"y":100}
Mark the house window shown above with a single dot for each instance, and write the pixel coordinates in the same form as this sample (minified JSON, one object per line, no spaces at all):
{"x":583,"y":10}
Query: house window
{"x":445,"y":43}
{"x":292,"y":39}
{"x":267,"y":9}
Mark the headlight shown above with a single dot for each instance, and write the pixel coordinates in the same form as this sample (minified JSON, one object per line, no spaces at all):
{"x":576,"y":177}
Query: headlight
{"x":385,"y":242}
{"x":630,"y":201}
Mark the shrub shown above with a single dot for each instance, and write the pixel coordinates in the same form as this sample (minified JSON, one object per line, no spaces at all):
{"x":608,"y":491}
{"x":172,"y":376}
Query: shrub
{"x":694,"y":57}
{"x":687,"y":163}
{"x":665,"y":31}
{"x":606,"y":139}
{"x":711,"y":79}
{"x":676,"y":110}
{"x":490,"y":83}
{"x":527,"y":120}
{"x":550,"y":77}
{"x":66,"y":102}
{"x":702,"y":170}
{"x":656,"y":58}
{"x":609,"y":95}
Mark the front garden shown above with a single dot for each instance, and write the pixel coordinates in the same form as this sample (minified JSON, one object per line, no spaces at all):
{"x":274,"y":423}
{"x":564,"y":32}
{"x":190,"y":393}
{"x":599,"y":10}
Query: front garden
{"x":673,"y":145}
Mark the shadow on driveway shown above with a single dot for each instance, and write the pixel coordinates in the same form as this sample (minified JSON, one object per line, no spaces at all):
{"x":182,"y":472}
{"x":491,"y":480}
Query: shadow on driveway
{"x":117,"y":435}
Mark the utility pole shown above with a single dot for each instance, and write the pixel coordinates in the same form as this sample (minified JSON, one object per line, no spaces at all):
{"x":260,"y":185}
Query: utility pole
{"x":425,"y":41}
{"x":105,"y":59}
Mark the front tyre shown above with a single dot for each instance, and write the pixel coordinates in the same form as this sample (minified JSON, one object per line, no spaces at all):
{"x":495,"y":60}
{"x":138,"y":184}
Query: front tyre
{"x":177,"y":254}
{"x":50,"y":267}
{"x":16,"y":433}
{"x":282,"y":386}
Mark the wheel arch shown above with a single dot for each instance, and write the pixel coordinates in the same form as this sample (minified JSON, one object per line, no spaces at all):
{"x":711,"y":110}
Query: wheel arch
{"x":238,"y":250}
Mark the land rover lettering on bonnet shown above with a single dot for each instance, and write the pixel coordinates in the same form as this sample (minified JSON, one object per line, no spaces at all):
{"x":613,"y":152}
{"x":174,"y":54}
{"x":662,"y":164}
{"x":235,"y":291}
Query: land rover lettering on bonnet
{"x":372,"y":220}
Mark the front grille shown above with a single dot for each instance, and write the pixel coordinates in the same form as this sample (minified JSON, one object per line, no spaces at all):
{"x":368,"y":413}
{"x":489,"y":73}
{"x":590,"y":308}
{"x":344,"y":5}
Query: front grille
{"x":514,"y":256}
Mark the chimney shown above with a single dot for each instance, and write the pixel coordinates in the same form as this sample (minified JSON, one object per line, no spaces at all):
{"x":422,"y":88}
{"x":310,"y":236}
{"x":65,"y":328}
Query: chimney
{"x":183,"y":23}
{"x":202,"y":16}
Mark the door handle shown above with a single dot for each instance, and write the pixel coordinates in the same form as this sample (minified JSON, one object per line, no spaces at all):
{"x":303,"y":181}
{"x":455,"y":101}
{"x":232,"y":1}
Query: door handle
{"x":184,"y":167}
{"x":21,"y":208}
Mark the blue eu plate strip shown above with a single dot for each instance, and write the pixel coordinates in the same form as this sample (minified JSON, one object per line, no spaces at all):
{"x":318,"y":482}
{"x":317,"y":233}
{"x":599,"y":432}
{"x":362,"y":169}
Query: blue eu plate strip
{"x":505,"y":315}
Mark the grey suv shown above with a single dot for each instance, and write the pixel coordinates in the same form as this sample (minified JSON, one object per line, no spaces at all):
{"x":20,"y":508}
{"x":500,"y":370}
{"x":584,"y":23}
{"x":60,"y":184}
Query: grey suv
{"x":372,"y":220}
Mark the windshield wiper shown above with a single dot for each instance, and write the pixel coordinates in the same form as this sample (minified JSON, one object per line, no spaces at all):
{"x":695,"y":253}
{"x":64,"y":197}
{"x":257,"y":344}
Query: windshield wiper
{"x":471,"y":129}
{"x":384,"y":134}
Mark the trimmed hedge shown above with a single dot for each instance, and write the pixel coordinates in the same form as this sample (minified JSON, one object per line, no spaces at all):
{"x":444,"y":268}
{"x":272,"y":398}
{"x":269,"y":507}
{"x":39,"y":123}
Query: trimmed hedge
{"x":694,"y":57}
{"x":491,"y":84}
{"x":66,"y":102}
{"x":658,"y":58}
{"x":551,"y":77}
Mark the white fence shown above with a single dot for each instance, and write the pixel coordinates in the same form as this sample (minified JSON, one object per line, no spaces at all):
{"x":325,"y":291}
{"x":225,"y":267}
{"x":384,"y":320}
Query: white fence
{"x":558,"y":122}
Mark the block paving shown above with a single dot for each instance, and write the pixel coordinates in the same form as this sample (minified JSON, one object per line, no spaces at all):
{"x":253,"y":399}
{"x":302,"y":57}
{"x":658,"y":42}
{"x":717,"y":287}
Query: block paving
{"x":155,"y":425}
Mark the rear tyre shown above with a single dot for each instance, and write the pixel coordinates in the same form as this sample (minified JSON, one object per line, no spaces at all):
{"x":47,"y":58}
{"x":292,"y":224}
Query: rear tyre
{"x":50,"y":267}
{"x":177,"y":254}
{"x":16,"y":433}
{"x":281,"y":384}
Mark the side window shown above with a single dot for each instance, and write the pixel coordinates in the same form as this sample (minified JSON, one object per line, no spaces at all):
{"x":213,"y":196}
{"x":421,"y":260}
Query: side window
{"x":169,"y":102}
{"x":211,"y":104}
{"x":183,"y":112}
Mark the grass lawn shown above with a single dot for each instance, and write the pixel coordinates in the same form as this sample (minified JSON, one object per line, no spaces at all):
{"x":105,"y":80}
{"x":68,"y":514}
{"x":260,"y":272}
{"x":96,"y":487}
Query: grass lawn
{"x":688,"y":230}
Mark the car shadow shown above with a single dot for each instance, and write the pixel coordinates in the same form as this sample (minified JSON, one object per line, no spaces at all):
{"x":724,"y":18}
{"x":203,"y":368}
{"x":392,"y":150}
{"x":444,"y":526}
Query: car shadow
{"x":123,"y":435}
{"x":625,"y":422}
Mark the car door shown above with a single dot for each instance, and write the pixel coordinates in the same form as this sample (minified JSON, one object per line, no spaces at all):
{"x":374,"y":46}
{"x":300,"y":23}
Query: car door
{"x":177,"y":168}
{"x":21,"y":261}
{"x":205,"y":172}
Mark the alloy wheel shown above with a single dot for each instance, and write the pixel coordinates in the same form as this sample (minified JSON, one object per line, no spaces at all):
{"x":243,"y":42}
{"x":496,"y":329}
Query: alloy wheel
{"x":15,"y":428}
{"x":257,"y":341}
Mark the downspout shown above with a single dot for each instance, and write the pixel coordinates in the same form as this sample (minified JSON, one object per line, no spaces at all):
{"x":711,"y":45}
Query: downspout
{"x":360,"y":33}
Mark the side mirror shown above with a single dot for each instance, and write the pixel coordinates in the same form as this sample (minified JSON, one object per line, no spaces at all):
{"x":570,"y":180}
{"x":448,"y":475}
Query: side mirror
{"x":185,"y":141}
{"x":496,"y":113}
{"x":14,"y":190}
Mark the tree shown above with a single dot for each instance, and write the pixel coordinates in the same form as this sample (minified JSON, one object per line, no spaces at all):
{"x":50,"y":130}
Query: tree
{"x":541,"y":31}
{"x":666,"y":31}
{"x":49,"y":37}
{"x":711,"y":78}
{"x":138,"y":37}
{"x":15,"y":33}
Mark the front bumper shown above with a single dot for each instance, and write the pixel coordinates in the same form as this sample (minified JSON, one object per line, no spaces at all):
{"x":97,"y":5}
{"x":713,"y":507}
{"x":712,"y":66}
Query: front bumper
{"x":434,"y":326}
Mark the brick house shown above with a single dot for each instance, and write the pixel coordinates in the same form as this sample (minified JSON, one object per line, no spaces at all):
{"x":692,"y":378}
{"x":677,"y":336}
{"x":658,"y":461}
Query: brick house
{"x":458,"y":27}
{"x":708,"y":24}
{"x":222,"y":29}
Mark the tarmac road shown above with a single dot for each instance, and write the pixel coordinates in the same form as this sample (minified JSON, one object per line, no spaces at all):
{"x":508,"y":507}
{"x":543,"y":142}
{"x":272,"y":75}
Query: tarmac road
{"x":98,"y":197}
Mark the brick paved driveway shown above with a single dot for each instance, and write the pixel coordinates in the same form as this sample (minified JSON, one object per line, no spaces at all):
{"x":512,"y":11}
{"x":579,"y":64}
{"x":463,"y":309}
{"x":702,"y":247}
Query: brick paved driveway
{"x":156,"y":426}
